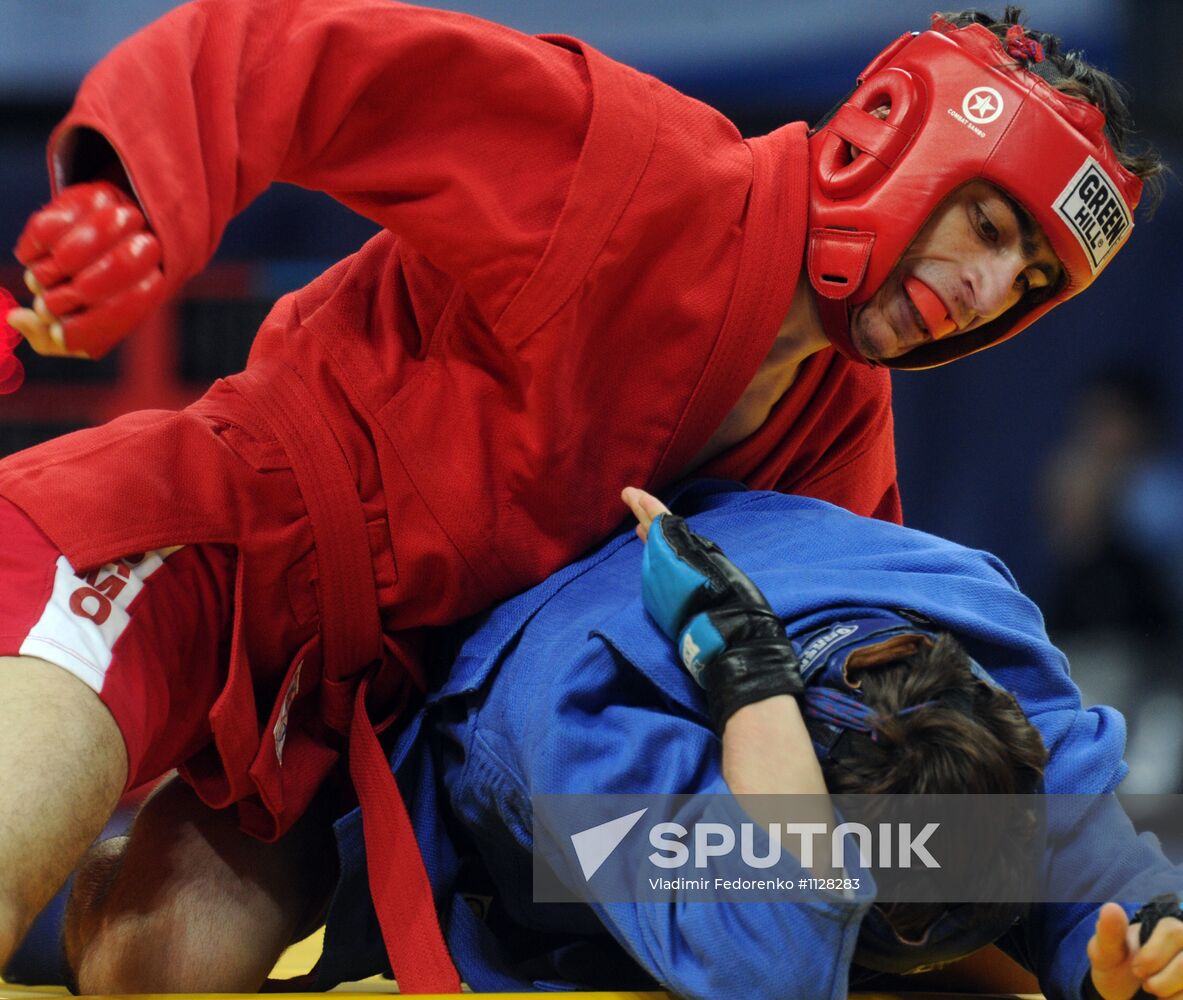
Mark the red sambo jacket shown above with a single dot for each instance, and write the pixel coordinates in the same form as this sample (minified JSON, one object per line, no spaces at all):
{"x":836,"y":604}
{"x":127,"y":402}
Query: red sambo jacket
{"x":580,"y":270}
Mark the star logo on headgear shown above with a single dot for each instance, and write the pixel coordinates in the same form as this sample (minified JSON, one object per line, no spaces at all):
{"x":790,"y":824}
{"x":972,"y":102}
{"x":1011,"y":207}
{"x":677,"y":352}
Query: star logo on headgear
{"x":982,"y":105}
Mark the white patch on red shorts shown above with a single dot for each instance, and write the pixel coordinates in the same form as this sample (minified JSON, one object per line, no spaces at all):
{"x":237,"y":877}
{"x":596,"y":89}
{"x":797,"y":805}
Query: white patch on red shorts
{"x":280,"y":731}
{"x":86,"y":615}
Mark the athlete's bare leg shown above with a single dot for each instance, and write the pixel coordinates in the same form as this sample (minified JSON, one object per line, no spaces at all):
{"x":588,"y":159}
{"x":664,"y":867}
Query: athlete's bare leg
{"x":63,"y":766}
{"x":186,"y":903}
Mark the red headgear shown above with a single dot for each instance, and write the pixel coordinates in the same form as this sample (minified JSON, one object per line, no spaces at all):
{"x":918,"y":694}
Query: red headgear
{"x":962,"y":108}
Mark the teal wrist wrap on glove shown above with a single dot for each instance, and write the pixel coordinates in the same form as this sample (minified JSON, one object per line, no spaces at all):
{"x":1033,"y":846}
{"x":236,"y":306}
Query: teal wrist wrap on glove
{"x":728,"y":637}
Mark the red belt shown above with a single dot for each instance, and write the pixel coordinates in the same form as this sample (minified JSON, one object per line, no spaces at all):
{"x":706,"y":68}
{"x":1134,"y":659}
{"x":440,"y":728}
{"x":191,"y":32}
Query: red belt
{"x":351,"y":637}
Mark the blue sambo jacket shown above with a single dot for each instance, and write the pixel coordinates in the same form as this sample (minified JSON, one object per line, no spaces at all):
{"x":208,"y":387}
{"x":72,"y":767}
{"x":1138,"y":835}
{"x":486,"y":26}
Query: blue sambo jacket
{"x":570,"y":688}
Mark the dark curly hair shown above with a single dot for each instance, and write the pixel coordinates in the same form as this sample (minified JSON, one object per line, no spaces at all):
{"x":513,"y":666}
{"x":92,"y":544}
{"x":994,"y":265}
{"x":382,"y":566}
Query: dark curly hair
{"x":970,"y":737}
{"x":941,"y":749}
{"x":1069,"y":72}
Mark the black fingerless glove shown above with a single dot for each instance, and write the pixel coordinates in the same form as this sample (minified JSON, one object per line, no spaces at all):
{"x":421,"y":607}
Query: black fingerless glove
{"x":728,"y":637}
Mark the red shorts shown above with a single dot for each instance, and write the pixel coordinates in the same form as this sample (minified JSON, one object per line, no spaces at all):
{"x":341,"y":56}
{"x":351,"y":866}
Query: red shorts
{"x":150,"y":634}
{"x":211,"y":657}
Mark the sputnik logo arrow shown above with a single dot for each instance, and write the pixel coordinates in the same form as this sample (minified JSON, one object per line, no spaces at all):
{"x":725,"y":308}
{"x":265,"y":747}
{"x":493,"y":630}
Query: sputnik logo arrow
{"x":595,"y":844}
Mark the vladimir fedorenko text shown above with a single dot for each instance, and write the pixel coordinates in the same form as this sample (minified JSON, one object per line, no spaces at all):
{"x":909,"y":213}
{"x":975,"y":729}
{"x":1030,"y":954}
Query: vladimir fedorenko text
{"x":747,"y":884}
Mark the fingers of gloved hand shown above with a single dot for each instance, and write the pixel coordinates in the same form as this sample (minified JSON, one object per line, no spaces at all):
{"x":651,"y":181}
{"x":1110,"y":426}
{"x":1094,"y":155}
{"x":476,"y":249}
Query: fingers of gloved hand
{"x":1108,"y":947}
{"x":42,"y":310}
{"x":645,"y":507}
{"x":1168,"y":982}
{"x":43,"y":273}
{"x":94,"y":235}
{"x":122,"y":266}
{"x":1110,"y":950}
{"x":112,"y":239}
{"x":26,"y":322}
{"x":44,"y":333}
{"x":96,"y":329}
{"x":45,"y":338}
{"x":1159,"y":962}
{"x":47,"y":226}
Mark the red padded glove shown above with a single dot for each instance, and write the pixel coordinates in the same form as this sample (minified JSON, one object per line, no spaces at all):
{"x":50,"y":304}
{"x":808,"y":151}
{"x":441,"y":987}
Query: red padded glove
{"x":96,"y":262}
{"x":12,"y":372}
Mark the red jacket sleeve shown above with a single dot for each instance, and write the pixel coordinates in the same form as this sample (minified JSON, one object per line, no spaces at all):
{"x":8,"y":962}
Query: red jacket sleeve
{"x":458,"y":135}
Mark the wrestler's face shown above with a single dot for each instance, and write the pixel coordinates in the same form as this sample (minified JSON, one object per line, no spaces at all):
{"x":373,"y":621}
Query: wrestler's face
{"x":978,"y":255}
